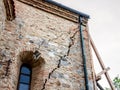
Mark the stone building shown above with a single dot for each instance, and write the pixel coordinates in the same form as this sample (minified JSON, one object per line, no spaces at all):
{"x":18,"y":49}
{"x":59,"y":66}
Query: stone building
{"x":44,"y":46}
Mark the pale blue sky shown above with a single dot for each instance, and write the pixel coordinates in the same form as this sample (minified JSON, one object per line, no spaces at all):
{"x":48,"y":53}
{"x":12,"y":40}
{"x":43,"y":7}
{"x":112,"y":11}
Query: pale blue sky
{"x":104,"y":27}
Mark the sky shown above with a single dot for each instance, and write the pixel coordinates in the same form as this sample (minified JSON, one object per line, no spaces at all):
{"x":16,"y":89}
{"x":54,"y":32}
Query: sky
{"x":104,"y":27}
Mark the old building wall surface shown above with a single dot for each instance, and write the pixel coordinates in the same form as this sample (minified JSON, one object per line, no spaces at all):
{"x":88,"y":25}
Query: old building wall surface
{"x":60,"y":66}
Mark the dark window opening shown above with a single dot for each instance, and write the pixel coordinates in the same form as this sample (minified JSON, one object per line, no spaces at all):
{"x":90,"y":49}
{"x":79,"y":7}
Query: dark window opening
{"x":24,"y":77}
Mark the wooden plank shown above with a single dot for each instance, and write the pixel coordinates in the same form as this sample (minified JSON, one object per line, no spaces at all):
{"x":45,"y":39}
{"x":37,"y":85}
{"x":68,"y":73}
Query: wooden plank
{"x":93,"y":69}
{"x":101,"y":63}
{"x":103,"y":72}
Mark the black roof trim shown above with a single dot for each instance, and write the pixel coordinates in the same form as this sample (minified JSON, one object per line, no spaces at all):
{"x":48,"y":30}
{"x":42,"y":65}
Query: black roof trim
{"x":67,"y":8}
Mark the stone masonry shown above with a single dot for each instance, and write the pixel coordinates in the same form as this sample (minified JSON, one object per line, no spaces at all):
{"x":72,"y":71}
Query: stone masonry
{"x":57,"y":38}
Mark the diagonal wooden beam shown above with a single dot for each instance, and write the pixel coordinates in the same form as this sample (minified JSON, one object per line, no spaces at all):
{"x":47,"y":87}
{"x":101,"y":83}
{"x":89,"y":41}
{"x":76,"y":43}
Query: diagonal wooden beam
{"x":10,"y":12}
{"x":101,"y":63}
{"x":99,"y":86}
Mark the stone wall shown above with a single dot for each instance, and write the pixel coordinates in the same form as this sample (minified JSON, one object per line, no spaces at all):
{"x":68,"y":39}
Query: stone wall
{"x":60,"y":66}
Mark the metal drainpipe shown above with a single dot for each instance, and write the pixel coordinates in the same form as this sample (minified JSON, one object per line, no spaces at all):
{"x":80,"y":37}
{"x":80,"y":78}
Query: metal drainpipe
{"x":83,"y":54}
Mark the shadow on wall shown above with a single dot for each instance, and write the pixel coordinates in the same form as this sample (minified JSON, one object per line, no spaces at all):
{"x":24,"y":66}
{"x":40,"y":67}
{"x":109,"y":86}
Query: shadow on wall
{"x":36,"y":62}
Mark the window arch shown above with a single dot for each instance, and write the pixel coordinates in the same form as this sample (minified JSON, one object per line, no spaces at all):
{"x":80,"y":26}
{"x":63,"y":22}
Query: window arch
{"x":24,"y":77}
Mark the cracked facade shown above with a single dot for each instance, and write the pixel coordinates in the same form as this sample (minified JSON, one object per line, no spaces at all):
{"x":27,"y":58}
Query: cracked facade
{"x":55,"y":37}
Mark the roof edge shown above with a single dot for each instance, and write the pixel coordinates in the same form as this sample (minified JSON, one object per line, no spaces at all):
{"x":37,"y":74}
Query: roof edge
{"x":67,"y":8}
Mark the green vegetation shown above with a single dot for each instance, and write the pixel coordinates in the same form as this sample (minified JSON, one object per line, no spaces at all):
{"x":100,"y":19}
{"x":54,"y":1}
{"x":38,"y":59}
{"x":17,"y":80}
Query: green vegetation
{"x":116,"y":82}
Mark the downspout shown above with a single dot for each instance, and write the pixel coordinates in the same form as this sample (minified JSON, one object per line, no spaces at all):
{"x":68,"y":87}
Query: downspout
{"x":83,"y":53}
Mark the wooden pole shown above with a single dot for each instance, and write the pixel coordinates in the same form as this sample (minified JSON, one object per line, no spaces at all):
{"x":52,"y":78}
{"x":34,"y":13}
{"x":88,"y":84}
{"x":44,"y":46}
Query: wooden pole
{"x":102,"y":72}
{"x":93,"y":69}
{"x":101,"y":63}
{"x":99,"y":86}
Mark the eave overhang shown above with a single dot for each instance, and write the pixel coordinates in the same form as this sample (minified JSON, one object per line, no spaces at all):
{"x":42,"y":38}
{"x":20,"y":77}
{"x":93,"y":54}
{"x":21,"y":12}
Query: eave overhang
{"x":70,"y":9}
{"x":56,"y":9}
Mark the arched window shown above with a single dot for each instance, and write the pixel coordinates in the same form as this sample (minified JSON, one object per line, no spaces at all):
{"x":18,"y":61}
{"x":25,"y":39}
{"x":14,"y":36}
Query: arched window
{"x":24,"y":77}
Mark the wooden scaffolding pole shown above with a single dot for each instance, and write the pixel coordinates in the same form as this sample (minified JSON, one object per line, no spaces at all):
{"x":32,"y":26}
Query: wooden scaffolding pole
{"x":102,"y":72}
{"x":101,"y":63}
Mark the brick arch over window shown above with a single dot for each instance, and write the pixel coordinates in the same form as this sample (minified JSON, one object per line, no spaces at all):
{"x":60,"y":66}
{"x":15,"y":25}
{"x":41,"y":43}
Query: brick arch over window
{"x":35,"y":63}
{"x":34,"y":59}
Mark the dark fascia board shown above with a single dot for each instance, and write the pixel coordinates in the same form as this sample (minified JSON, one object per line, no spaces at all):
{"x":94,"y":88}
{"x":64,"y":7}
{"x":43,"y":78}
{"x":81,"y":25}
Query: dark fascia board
{"x":67,"y":8}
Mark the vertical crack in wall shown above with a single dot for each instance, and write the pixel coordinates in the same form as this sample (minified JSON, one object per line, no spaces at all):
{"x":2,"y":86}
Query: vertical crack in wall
{"x":49,"y":76}
{"x":58,"y":66}
{"x":72,"y":42}
{"x":61,"y":58}
{"x":44,"y":84}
